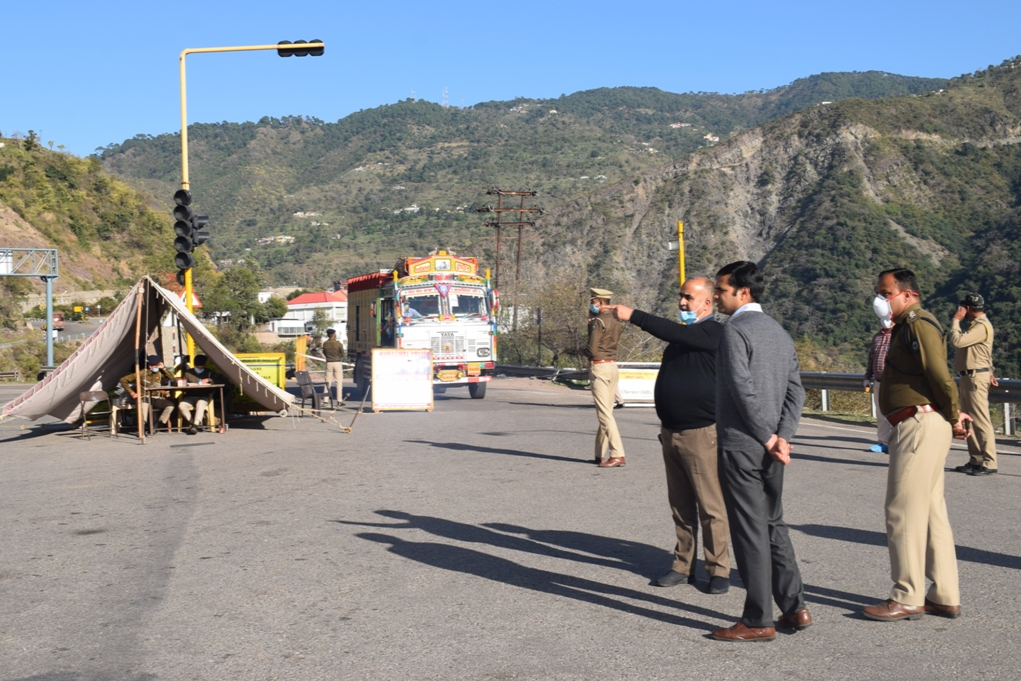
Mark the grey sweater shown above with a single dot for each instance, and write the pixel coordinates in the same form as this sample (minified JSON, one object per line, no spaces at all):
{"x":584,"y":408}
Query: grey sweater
{"x":758,"y":384}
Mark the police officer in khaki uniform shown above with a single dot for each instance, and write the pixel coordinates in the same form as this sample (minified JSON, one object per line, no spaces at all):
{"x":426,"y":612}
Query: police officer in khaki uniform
{"x":603,"y":335}
{"x":919,"y":399}
{"x":333,"y":351}
{"x":974,"y":364}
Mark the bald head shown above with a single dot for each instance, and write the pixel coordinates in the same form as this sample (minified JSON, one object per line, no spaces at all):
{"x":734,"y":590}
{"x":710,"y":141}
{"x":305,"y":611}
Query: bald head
{"x":697,"y":296}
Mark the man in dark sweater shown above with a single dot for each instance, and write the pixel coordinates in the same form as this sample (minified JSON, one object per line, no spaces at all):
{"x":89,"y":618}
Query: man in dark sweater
{"x":686,"y":405}
{"x":758,"y":407}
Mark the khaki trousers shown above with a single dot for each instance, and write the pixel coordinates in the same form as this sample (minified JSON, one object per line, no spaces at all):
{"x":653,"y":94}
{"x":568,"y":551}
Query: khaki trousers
{"x":199,"y":404}
{"x":164,"y":406}
{"x":917,"y":527}
{"x":603,"y":378}
{"x":882,"y":425}
{"x":975,"y":403}
{"x":693,"y":487}
{"x":335,"y":373}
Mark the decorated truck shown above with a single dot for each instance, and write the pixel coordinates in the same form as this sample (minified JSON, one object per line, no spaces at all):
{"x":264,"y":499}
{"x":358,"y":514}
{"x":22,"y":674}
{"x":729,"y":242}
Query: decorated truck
{"x":440,"y":302}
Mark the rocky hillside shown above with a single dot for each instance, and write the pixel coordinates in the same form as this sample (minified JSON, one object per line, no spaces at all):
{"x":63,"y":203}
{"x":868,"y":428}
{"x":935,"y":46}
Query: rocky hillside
{"x":105,"y":231}
{"x":824,"y":199}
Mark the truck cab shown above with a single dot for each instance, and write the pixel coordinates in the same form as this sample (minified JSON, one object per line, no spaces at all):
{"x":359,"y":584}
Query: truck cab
{"x":440,"y":303}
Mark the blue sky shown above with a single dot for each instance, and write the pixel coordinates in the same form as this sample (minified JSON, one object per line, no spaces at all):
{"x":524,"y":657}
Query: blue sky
{"x":89,"y":74}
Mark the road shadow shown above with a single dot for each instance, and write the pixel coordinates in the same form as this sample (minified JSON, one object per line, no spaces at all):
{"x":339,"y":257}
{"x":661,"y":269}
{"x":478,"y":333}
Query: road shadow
{"x":641,"y":559}
{"x":462,"y":447}
{"x":868,"y":537}
{"x":558,"y":406}
{"x":33,"y":431}
{"x":577,"y":547}
{"x":826,"y":459}
{"x":479,"y":564}
{"x":837,"y":599}
{"x":838,"y":438}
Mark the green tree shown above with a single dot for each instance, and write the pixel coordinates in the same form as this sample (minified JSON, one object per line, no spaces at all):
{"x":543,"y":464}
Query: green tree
{"x":234,"y":298}
{"x":12,"y":293}
{"x":274,"y":308}
{"x":320,"y":322}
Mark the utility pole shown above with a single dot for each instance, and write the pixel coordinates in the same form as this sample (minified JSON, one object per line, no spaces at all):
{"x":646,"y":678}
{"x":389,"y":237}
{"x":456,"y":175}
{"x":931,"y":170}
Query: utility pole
{"x":520,"y":223}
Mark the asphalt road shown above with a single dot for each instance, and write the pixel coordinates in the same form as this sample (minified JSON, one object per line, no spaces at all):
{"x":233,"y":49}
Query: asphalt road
{"x":473,"y":542}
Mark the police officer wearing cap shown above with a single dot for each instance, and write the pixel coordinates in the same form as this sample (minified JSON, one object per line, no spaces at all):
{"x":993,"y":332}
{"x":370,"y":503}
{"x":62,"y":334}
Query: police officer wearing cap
{"x":603,"y":335}
{"x":333,"y":352}
{"x":974,"y":364}
{"x":919,"y":399}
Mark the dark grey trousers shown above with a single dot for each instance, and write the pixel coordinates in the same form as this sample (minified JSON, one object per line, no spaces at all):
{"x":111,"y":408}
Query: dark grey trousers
{"x":752,"y":489}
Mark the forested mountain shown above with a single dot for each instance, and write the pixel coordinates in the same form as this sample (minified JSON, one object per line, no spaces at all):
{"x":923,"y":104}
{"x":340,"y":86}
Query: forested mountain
{"x":822,"y":195}
{"x":403,"y":178}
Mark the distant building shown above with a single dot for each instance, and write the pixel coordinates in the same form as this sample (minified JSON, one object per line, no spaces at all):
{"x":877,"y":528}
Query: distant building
{"x":302,"y":309}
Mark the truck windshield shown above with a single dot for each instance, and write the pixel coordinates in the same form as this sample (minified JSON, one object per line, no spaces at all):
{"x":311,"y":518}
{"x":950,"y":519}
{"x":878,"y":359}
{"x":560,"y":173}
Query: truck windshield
{"x":426,"y":305}
{"x":467,"y":303}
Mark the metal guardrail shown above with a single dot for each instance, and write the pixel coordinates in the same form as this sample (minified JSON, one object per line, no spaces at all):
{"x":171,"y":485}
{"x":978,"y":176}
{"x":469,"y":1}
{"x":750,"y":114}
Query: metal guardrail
{"x":541,"y":372}
{"x":1006,"y":393}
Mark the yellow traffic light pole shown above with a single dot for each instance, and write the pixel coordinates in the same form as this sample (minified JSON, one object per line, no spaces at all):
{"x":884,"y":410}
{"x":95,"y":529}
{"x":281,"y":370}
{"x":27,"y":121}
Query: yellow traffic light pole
{"x":680,"y":251}
{"x":185,"y":183}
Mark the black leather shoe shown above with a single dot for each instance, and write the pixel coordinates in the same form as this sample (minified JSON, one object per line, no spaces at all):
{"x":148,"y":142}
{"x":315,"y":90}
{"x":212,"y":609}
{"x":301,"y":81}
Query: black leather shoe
{"x":719,"y":585}
{"x":966,"y":468}
{"x":982,"y":470}
{"x":673,"y":578}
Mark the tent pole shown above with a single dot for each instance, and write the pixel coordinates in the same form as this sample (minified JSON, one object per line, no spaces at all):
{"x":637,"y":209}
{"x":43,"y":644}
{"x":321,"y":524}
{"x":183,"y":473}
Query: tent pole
{"x":138,"y":374}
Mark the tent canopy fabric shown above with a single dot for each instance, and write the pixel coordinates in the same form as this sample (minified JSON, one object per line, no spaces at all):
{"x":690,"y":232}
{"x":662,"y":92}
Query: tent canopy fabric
{"x":111,"y":352}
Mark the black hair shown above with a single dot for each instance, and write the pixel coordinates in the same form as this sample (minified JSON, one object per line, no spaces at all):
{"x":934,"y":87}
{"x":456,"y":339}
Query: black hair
{"x":904,"y":277}
{"x":200,"y":360}
{"x":745,"y":274}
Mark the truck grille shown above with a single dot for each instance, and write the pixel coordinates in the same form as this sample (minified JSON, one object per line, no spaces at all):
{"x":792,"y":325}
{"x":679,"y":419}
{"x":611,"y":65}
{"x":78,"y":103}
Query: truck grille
{"x":448,"y":344}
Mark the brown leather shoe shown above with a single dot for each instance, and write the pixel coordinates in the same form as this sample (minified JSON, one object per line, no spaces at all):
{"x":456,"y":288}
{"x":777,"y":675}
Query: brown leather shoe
{"x":951,"y":611}
{"x":891,"y":611}
{"x":739,"y":632}
{"x":612,"y":462}
{"x":799,"y":620}
{"x":597,"y":460}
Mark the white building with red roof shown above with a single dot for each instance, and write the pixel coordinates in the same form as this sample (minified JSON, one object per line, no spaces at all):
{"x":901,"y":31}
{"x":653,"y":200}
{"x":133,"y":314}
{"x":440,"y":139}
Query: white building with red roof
{"x":301,"y":310}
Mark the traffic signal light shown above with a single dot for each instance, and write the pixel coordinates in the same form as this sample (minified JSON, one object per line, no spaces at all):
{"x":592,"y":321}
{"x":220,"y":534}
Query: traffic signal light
{"x":302,"y":52}
{"x":189,"y":229}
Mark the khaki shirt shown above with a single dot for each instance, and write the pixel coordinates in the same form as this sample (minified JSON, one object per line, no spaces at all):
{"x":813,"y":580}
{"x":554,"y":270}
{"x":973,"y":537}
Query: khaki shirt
{"x":916,"y":366}
{"x":333,"y":351}
{"x":603,"y":335}
{"x":150,"y":379}
{"x":974,"y":345}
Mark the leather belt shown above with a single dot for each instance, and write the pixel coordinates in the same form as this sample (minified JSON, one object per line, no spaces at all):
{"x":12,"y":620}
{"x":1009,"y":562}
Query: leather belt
{"x":907,"y":412}
{"x":972,"y":372}
{"x":603,"y":361}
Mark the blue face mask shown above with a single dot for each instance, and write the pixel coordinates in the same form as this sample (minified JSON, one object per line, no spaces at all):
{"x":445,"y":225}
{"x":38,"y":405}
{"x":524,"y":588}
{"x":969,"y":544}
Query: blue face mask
{"x":687,"y":316}
{"x":594,"y":308}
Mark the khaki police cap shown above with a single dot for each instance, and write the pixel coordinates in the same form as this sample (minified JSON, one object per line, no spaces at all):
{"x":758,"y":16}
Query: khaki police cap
{"x":601,"y":293}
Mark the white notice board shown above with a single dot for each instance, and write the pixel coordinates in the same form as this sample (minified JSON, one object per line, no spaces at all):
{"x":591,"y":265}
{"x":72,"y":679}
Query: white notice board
{"x":637,"y":381}
{"x":402,"y":380}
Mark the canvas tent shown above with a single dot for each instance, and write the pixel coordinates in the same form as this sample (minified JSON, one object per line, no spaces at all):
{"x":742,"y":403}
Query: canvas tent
{"x":111,"y":352}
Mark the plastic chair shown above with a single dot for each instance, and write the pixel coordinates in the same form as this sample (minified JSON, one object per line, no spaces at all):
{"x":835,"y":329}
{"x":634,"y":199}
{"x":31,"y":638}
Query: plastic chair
{"x":308,"y":390}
